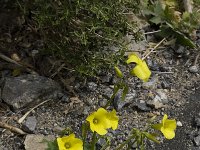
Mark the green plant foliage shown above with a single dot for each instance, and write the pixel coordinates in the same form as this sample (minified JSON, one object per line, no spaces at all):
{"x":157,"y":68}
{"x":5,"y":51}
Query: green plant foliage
{"x":81,"y":31}
{"x":173,"y":20}
{"x":52,"y":145}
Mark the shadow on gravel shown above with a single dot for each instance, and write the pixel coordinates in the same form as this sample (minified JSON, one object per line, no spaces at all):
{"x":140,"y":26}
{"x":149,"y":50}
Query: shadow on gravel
{"x":190,"y":131}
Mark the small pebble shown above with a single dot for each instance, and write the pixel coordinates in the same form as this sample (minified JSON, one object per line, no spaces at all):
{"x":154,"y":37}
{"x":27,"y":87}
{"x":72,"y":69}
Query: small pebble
{"x":193,"y":69}
{"x":179,"y":124}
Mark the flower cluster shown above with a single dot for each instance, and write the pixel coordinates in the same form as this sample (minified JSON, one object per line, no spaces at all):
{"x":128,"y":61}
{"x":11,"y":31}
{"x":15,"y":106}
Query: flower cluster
{"x":101,"y":120}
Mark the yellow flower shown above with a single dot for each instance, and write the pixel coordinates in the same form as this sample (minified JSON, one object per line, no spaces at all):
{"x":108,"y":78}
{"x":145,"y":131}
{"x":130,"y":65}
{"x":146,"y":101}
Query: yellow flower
{"x":118,"y":72}
{"x":101,"y":120}
{"x":167,"y":127}
{"x":114,"y":119}
{"x":69,"y":143}
{"x":141,"y":69}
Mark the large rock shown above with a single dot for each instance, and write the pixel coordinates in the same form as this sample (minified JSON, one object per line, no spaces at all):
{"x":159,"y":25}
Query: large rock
{"x":24,"y":90}
{"x":36,"y":142}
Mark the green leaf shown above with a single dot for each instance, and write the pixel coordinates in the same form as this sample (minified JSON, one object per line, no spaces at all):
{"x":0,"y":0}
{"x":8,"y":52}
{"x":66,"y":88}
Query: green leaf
{"x":52,"y":145}
{"x":184,"y":40}
{"x":156,"y":20}
{"x":151,"y":137}
{"x":169,"y":30}
{"x":186,"y":15}
{"x":125,"y":91}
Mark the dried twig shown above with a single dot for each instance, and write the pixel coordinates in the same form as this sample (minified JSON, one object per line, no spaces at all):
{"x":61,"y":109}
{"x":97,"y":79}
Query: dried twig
{"x":152,"y":32}
{"x":167,"y":72}
{"x":9,"y":59}
{"x":4,"y":57}
{"x":153,"y":49}
{"x":58,"y":70}
{"x":196,"y":60}
{"x":12,"y":128}
{"x":28,"y":112}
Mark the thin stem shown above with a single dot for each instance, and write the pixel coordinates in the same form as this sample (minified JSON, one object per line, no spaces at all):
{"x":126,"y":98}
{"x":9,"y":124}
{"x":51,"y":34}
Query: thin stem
{"x":112,"y":97}
{"x":153,"y":49}
{"x":84,"y":133}
{"x":93,"y":141}
{"x":126,"y":142}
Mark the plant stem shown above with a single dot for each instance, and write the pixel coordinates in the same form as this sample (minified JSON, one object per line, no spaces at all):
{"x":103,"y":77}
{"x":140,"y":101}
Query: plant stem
{"x":125,"y":142}
{"x":112,"y":97}
{"x":84,"y":133}
{"x":93,"y":141}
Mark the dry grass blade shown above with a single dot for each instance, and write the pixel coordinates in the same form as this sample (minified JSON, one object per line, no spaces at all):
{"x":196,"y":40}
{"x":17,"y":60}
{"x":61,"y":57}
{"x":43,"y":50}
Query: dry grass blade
{"x":12,"y":128}
{"x":9,"y":59}
{"x":28,"y":112}
{"x":153,"y":49}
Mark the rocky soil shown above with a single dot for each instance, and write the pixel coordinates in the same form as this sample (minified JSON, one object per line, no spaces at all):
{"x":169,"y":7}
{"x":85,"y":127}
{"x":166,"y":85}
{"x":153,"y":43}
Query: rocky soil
{"x":65,"y":100}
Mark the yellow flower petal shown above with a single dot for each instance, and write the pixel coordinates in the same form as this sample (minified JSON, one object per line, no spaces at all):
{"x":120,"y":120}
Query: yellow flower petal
{"x":69,"y":143}
{"x":168,"y":133}
{"x":142,"y":71}
{"x":133,"y":58}
{"x":99,"y":122}
{"x":170,"y":124}
{"x":164,"y":118}
{"x":99,"y":128}
{"x":114,"y":119}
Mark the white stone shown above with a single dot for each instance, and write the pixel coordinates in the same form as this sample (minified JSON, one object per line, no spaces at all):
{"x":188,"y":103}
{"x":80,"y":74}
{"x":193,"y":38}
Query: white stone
{"x":179,"y":124}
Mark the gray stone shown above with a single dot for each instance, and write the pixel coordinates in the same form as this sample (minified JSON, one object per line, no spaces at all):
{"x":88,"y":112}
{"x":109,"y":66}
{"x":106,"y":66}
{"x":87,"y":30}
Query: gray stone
{"x":133,"y":45}
{"x":107,"y":78}
{"x":92,"y":86}
{"x":193,"y":69}
{"x":197,"y":122}
{"x":102,"y":102}
{"x":28,"y":89}
{"x":30,"y":124}
{"x":165,"y":85}
{"x":180,"y":49}
{"x":130,"y":97}
{"x":35,"y":142}
{"x":155,"y":103}
{"x":119,"y":103}
{"x":197,"y":140}
{"x":142,"y":106}
{"x":162,"y":97}
{"x":64,"y":98}
{"x":107,"y":91}
{"x":151,"y":84}
{"x":86,"y":110}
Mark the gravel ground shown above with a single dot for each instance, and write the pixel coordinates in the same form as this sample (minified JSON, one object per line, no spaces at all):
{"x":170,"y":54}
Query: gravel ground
{"x":174,"y":81}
